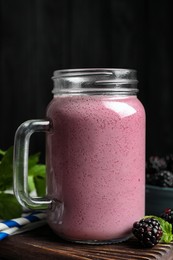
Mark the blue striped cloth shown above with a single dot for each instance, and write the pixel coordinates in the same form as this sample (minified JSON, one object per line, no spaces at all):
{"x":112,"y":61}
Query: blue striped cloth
{"x":23,"y":224}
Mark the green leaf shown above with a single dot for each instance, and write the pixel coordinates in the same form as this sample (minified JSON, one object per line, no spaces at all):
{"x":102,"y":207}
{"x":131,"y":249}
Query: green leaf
{"x":40,"y":185}
{"x":9,"y":206}
{"x":167,"y":236}
{"x":33,"y":160}
{"x":2,"y":152}
{"x":31,"y":185}
{"x":37,"y":170}
{"x":6,"y":170}
{"x":37,"y":179}
{"x":167,"y":230}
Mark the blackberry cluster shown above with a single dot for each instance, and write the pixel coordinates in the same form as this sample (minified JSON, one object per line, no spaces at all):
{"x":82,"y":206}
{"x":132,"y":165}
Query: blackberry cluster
{"x":159,"y":171}
{"x":148,"y":231}
{"x":156,"y":164}
{"x":167,"y":215}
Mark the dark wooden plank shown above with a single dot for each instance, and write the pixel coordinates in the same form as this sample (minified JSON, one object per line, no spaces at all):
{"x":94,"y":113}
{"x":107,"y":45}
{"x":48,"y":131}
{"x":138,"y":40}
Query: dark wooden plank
{"x":43,"y":244}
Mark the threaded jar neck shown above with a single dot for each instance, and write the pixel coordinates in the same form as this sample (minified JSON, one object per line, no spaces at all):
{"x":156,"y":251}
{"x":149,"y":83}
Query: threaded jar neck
{"x":95,"y":81}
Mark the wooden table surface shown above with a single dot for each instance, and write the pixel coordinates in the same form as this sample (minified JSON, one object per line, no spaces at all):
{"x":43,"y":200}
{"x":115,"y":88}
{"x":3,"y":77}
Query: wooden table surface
{"x":42,"y":243}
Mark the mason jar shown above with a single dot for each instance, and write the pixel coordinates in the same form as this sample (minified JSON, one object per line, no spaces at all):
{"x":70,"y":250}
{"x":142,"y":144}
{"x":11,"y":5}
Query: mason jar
{"x":95,"y":156}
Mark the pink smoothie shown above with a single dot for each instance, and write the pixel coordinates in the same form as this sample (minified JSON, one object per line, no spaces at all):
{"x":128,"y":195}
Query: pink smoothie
{"x":96,"y":166}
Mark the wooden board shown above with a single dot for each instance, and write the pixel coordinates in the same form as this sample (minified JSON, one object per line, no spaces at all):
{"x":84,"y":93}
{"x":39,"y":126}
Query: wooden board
{"x":42,"y":243}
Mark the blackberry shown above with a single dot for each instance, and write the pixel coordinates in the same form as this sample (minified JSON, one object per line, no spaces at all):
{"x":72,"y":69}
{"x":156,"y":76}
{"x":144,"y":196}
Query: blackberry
{"x":156,"y":164}
{"x":167,"y":215}
{"x":148,"y":231}
{"x":151,"y":178}
{"x":162,"y":178}
{"x":169,"y":161}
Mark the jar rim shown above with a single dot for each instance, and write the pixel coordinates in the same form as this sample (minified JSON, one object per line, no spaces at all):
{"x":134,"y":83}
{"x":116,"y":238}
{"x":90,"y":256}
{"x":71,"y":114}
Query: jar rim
{"x":87,"y":80}
{"x":94,"y":71}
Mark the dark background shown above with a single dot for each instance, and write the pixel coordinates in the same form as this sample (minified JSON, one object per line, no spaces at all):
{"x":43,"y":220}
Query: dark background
{"x":40,"y":36}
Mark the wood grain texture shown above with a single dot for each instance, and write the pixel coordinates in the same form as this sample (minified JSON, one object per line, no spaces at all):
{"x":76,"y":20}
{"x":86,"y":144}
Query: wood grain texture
{"x":43,"y":244}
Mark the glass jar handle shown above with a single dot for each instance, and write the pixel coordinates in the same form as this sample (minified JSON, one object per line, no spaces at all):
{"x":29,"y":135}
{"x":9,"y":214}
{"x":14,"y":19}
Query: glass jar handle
{"x":20,"y":163}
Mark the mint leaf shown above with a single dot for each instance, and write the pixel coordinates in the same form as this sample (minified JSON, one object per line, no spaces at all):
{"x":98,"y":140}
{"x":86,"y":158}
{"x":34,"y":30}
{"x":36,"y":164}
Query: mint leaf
{"x":167,"y":230}
{"x":31,"y":185}
{"x":9,"y":206}
{"x":37,"y":170}
{"x":6,"y":170}
{"x":37,"y":179}
{"x":2,"y":152}
{"x":33,"y":160}
{"x":40,"y":185}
